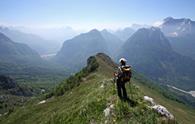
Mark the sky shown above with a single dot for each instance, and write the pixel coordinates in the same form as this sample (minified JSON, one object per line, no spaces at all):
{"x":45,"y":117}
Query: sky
{"x":86,"y":14}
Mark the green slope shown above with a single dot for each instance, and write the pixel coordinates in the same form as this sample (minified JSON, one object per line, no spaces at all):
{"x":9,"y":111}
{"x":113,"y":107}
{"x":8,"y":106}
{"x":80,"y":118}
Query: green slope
{"x":183,"y":114}
{"x":84,"y":97}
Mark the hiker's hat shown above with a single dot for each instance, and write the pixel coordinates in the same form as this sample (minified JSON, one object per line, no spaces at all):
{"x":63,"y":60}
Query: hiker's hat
{"x":122,"y":60}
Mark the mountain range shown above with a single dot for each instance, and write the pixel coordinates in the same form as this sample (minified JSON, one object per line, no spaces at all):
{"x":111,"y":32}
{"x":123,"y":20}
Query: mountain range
{"x":23,"y":73}
{"x":36,"y":42}
{"x":125,"y":33}
{"x":164,"y":54}
{"x":177,"y":27}
{"x":148,"y":50}
{"x":150,"y":53}
{"x":16,"y":52}
{"x":180,"y":33}
{"x":21,"y":62}
{"x":75,"y":51}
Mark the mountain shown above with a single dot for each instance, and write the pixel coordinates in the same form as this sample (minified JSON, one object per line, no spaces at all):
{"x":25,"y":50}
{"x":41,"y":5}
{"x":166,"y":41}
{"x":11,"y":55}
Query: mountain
{"x":57,"y":34}
{"x":138,"y":26}
{"x":13,"y":52}
{"x":75,"y":51}
{"x":180,"y":32}
{"x":150,"y":53}
{"x":23,"y":73}
{"x":113,"y":42}
{"x":37,"y":43}
{"x":90,"y":96}
{"x":125,"y":33}
{"x":24,"y":64}
{"x":178,"y":27}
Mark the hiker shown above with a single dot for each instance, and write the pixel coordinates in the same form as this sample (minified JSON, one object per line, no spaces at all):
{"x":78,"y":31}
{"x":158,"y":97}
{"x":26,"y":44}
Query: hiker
{"x":123,"y":76}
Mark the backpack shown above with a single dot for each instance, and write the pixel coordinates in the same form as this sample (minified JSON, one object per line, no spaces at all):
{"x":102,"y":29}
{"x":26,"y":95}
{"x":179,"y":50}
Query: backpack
{"x":126,"y":73}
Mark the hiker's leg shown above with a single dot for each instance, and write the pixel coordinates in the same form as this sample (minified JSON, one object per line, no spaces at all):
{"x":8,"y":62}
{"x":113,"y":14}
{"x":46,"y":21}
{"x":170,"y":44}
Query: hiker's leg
{"x":124,"y":91}
{"x":119,"y":89}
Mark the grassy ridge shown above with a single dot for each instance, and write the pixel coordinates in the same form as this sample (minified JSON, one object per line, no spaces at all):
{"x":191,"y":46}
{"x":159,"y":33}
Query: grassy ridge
{"x":83,"y":104}
{"x":86,"y":102}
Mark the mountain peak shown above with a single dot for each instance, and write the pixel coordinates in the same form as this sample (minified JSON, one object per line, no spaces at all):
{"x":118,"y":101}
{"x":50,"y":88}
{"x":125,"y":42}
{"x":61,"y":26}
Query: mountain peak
{"x":102,"y":55}
{"x":106,"y":59}
{"x":94,"y":31}
{"x":168,"y":19}
{"x":177,"y":27}
{"x":153,"y":31}
{"x":79,"y":48}
{"x":104,"y":30}
{"x":148,"y":39}
{"x":99,"y":60}
{"x":171,"y":20}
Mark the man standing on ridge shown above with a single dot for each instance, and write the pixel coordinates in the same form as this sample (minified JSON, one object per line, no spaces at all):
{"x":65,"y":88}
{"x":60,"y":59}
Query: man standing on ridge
{"x":123,"y":76}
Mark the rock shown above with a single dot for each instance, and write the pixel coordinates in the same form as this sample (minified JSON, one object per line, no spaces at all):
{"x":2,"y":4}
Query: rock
{"x":163,"y":111}
{"x":112,"y":106}
{"x":42,"y":102}
{"x":102,"y":86}
{"x":149,"y":99}
{"x":158,"y":108}
{"x":108,"y":111}
{"x":43,"y":91}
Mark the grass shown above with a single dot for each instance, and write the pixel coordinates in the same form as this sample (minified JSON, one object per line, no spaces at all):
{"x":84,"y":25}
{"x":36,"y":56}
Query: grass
{"x":182,"y":113}
{"x":86,"y":102}
{"x":30,"y":85}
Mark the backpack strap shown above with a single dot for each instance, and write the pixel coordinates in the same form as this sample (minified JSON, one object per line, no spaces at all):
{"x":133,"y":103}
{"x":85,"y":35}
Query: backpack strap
{"x":119,"y":71}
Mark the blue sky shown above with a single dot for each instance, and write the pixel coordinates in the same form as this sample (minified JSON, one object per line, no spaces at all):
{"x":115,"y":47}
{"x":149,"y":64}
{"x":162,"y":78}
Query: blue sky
{"x":91,"y":13}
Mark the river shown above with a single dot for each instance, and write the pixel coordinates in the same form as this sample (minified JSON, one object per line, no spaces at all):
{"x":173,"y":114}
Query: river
{"x":188,"y":92}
